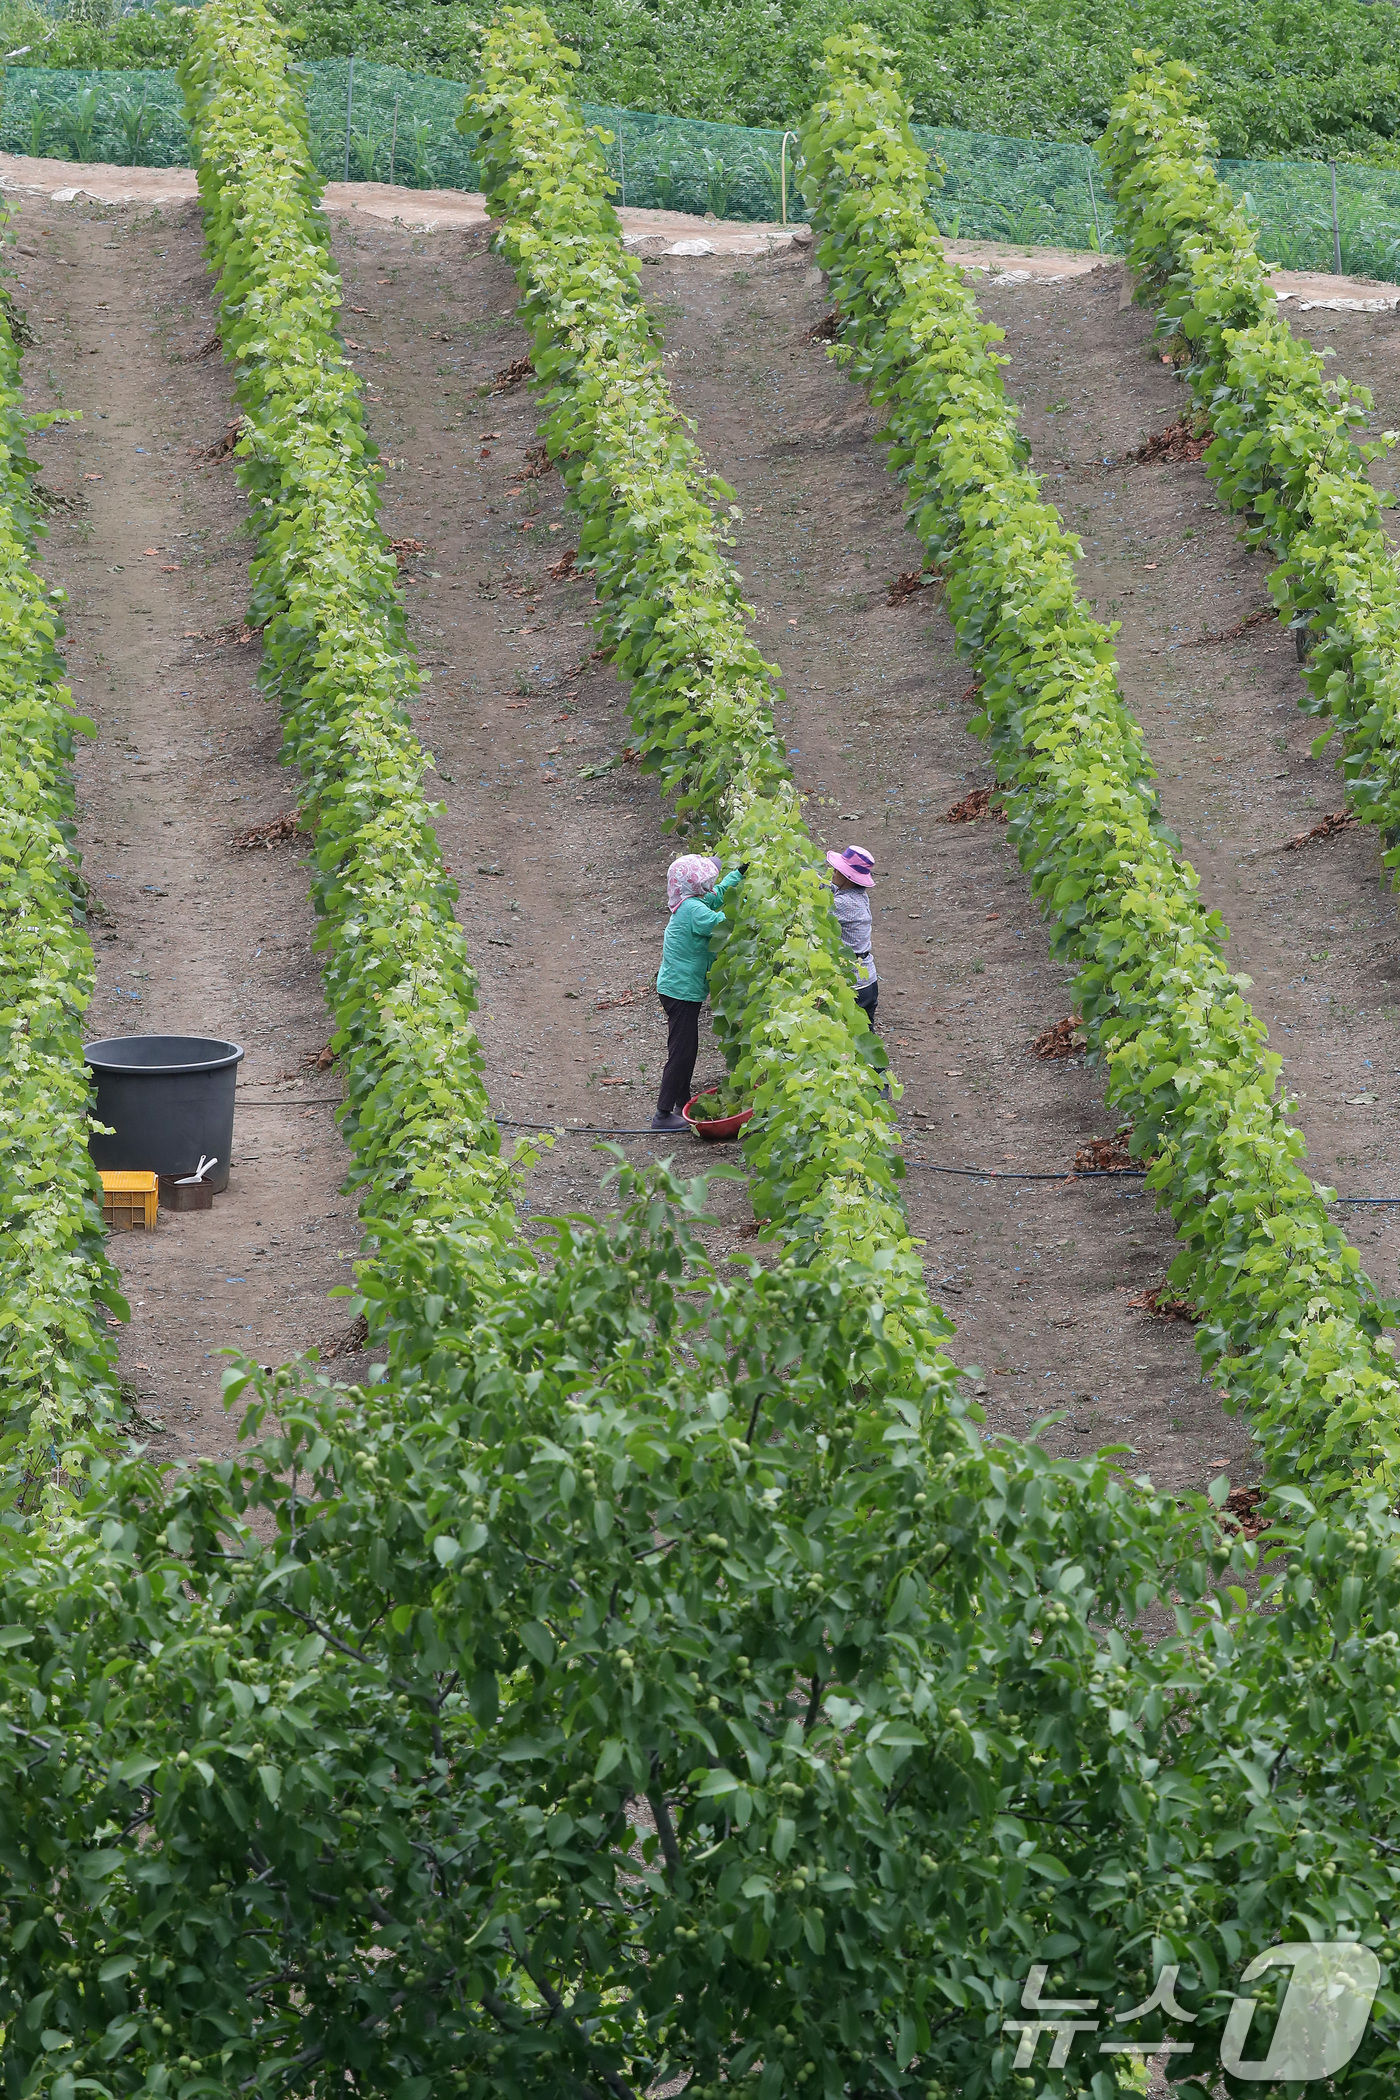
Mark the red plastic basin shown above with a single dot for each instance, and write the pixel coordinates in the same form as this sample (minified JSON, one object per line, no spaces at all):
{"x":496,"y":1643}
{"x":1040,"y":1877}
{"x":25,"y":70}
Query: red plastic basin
{"x":721,"y":1127}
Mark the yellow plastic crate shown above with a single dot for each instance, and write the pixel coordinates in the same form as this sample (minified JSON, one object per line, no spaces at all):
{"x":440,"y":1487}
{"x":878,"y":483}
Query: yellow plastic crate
{"x":129,"y":1201}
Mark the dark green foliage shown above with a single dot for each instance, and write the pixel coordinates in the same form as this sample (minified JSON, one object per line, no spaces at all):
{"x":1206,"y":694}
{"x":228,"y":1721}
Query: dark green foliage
{"x":1290,"y":81}
{"x":1285,"y":80}
{"x":642,"y":1648}
{"x":144,"y":37}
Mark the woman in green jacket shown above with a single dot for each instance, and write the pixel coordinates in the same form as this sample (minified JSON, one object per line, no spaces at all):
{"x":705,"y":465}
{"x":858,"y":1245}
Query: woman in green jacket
{"x":695,"y":896}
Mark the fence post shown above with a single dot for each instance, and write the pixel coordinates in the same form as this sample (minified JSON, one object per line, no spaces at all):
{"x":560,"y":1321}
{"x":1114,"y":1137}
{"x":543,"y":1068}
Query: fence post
{"x":622,"y":157}
{"x":394,"y":141}
{"x":1336,"y":229}
{"x":782,"y":174}
{"x":1098,"y":230}
{"x":349,"y":106}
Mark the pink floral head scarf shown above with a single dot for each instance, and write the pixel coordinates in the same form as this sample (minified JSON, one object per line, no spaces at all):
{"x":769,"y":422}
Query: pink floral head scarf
{"x":688,"y":876}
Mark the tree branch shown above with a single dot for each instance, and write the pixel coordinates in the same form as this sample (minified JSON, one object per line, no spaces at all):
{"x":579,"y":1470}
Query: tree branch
{"x":313,"y":2056}
{"x":759,"y":1398}
{"x":330,"y":1639}
{"x":618,"y":2087}
{"x":403,"y":1684}
{"x":814,"y":1704}
{"x":665,"y":1828}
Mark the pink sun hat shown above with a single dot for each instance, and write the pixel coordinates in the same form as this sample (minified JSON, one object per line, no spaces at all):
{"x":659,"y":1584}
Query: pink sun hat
{"x":855,"y":864}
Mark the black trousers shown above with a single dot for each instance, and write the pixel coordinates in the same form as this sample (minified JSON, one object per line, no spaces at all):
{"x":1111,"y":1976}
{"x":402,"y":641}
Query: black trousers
{"x":682,"y":1049}
{"x":868,"y":998}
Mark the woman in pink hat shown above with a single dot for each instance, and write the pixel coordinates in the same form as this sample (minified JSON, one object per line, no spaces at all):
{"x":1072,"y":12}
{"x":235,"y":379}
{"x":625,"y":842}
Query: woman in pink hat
{"x":695,"y":894}
{"x":852,"y":880}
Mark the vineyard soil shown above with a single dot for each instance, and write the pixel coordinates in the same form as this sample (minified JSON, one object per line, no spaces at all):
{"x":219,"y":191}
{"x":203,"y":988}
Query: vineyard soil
{"x":190,"y":935}
{"x":562,"y":876}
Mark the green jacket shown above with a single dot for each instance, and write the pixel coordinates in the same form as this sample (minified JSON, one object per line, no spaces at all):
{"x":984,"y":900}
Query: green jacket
{"x":685,"y":952}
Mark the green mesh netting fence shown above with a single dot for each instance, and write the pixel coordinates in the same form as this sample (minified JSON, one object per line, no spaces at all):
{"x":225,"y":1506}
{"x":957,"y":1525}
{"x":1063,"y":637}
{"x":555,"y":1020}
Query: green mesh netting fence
{"x":1291,"y":203}
{"x":133,"y":118}
{"x":402,"y":125}
{"x":402,"y":128}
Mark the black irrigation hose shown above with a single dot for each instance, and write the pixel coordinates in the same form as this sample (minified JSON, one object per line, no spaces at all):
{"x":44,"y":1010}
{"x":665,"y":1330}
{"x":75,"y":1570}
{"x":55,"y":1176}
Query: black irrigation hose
{"x":645,"y":1130}
{"x":1069,"y":1173}
{"x":971,"y":1173}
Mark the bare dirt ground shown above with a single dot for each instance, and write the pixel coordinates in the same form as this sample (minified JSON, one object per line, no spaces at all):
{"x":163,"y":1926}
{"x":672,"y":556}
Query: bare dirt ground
{"x":432,"y":211}
{"x":562,"y":877}
{"x":189,"y":935}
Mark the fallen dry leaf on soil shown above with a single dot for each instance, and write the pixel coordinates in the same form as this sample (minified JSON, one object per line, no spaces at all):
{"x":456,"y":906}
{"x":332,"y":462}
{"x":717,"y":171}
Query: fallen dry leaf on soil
{"x":511,"y":375}
{"x":1104,"y":1156}
{"x":1246,"y":1506}
{"x":977,"y":803}
{"x":905,"y":586}
{"x":270,"y":834}
{"x":1336,"y":820}
{"x":1163,"y":1306}
{"x":1061,"y":1040}
{"x":1177,"y":442}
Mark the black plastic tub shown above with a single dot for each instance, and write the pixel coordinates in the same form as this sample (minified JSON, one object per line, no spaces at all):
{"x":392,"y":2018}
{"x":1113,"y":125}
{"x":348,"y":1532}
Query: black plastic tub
{"x":169,"y":1100}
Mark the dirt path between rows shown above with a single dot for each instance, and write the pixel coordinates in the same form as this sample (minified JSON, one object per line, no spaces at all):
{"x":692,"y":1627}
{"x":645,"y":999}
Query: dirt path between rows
{"x":189,"y":935}
{"x":562,"y":878}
